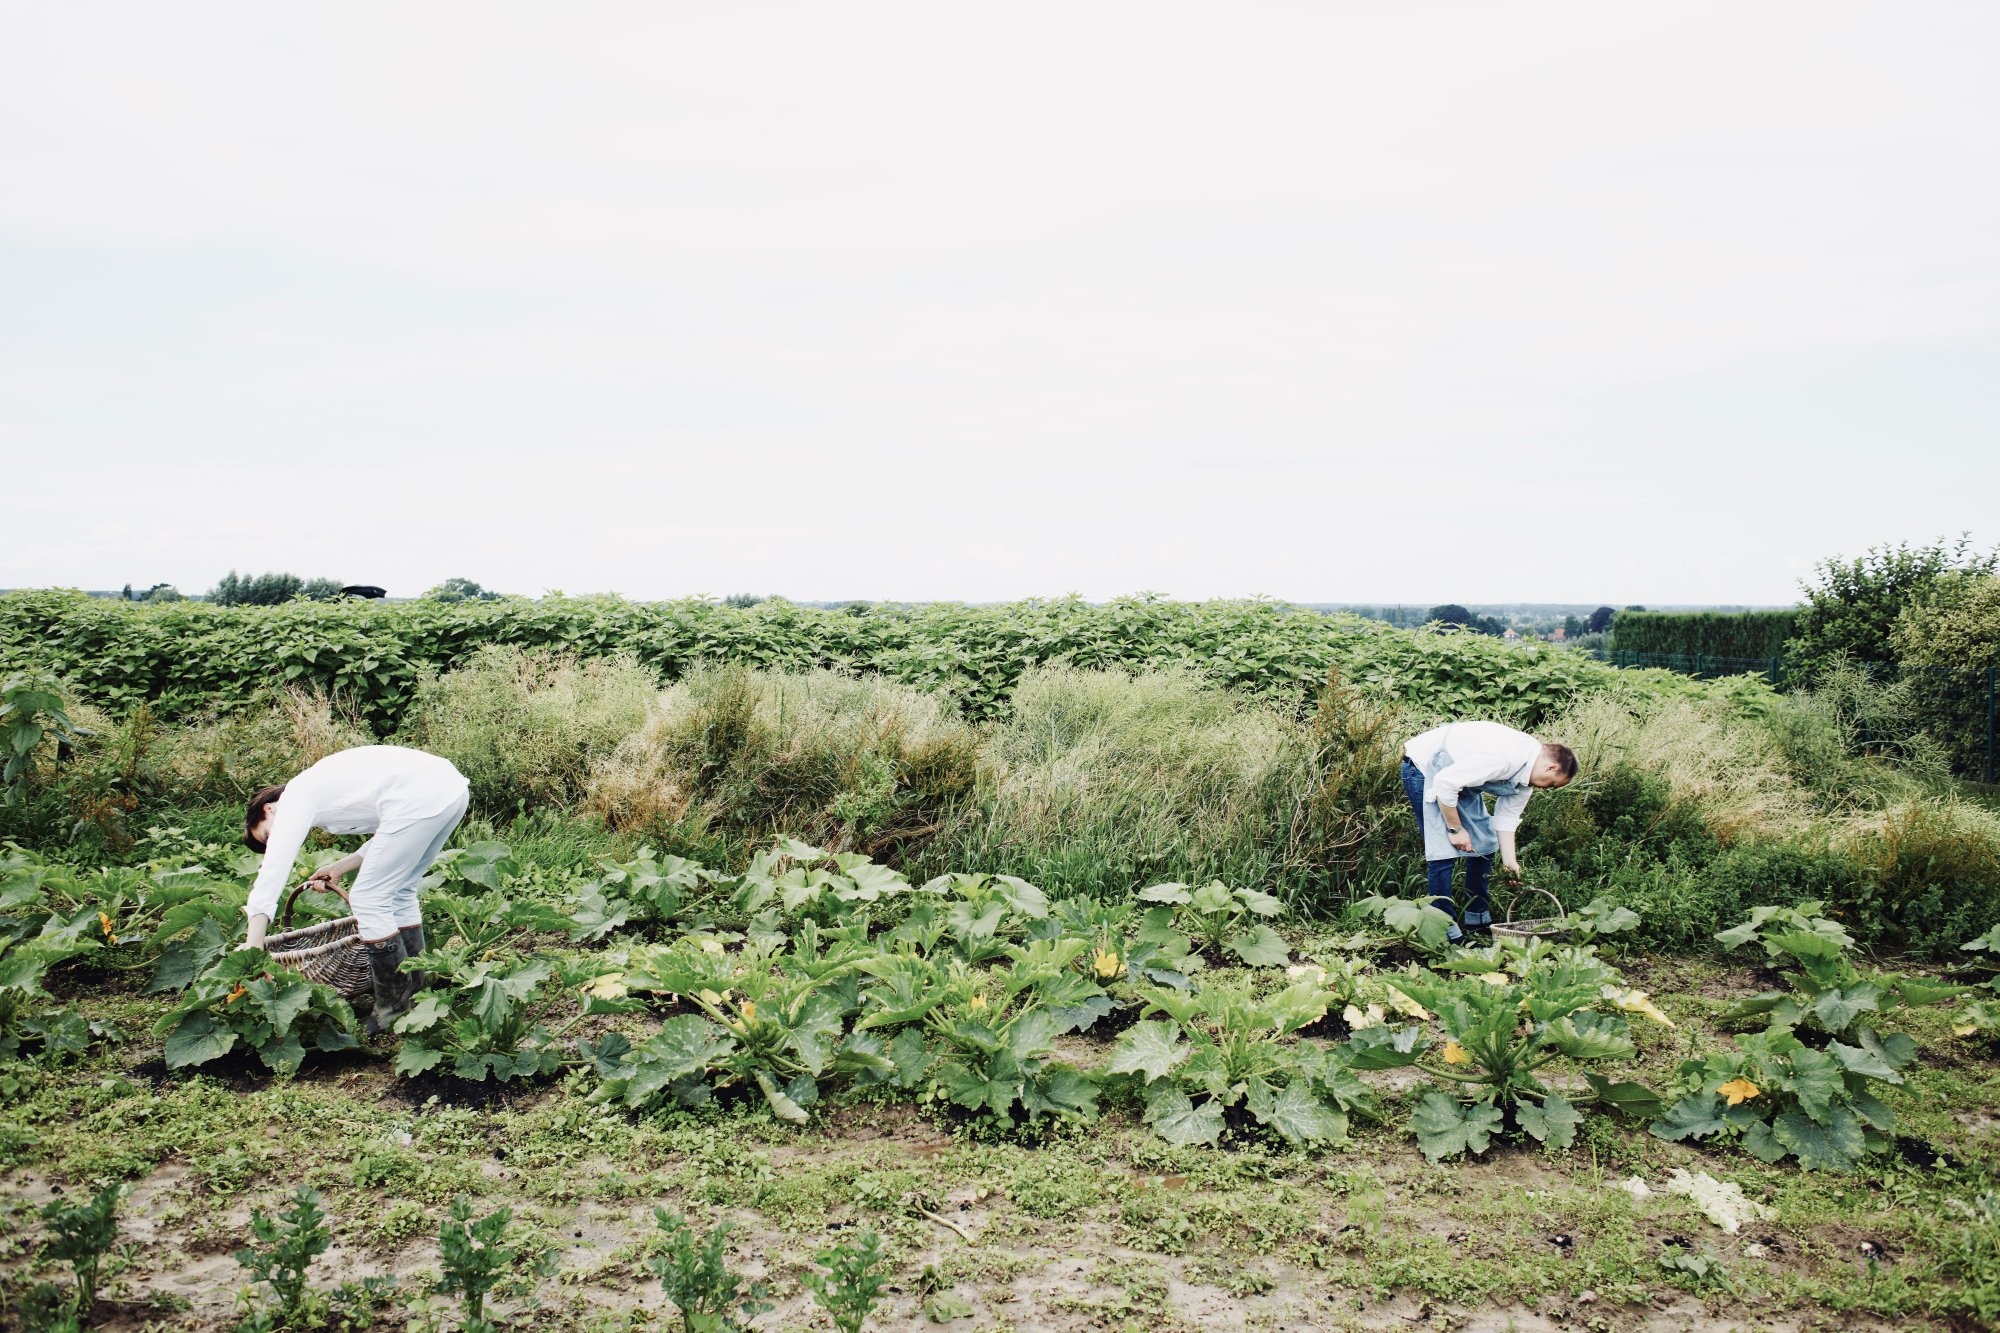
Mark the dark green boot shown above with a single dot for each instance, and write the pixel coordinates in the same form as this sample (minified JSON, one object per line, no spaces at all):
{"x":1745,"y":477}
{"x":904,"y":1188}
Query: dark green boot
{"x":392,"y":987}
{"x":413,"y":944}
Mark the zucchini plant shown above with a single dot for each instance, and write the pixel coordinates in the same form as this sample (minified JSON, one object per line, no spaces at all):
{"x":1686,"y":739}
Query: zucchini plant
{"x":1507,"y":1012}
{"x":773,"y":1020}
{"x":1213,"y":920}
{"x":478,"y":1013}
{"x":248,"y":1000}
{"x":645,"y":894}
{"x":1805,"y":1087}
{"x":1221,"y":1053}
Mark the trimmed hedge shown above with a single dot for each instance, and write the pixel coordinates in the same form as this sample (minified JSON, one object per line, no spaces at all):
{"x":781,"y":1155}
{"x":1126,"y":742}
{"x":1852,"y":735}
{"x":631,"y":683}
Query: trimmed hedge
{"x":1761,"y":634}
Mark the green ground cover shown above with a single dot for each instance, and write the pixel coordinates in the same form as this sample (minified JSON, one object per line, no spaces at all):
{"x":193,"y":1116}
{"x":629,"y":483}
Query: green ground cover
{"x":1055,"y":1112}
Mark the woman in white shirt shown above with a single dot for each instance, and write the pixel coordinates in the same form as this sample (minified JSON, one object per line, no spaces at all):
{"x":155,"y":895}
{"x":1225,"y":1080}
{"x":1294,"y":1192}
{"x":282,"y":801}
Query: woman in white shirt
{"x":1485,"y":759}
{"x":410,"y":802}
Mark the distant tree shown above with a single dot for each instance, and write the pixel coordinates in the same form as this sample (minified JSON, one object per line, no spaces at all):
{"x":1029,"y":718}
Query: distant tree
{"x":1600,"y":620}
{"x":235,"y":589}
{"x":161,"y":592}
{"x":1572,"y":627}
{"x":1450,"y":614}
{"x":1851,"y":606}
{"x":742,"y":601}
{"x":460,"y":590}
{"x":1635,"y":608}
{"x":125,"y":595}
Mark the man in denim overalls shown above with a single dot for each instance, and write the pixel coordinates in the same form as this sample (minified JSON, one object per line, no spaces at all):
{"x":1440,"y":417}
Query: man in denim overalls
{"x":1485,"y":759}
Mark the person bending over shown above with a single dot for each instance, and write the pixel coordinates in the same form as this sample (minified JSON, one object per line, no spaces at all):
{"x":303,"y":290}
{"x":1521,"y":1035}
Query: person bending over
{"x":1482,"y":759}
{"x":410,"y":801}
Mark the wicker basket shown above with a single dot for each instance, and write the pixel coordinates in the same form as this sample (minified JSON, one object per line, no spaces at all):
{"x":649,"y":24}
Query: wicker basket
{"x":1533,"y":928}
{"x":328,"y":952}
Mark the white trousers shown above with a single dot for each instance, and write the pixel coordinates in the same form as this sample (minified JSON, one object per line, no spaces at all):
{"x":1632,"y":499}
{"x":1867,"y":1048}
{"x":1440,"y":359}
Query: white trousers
{"x":384,"y":895}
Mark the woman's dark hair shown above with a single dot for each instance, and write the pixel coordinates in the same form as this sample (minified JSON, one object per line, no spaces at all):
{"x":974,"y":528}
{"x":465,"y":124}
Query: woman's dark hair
{"x":254,"y":815}
{"x":1565,"y":759}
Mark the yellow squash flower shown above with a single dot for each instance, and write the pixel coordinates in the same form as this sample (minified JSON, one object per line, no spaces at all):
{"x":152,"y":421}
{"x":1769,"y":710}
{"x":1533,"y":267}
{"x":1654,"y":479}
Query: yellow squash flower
{"x":1106,"y":963}
{"x":104,"y":919}
{"x":1454,"y":1054}
{"x":236,"y":994}
{"x":749,"y":1010}
{"x":1738,"y":1091}
{"x":978,"y":1005}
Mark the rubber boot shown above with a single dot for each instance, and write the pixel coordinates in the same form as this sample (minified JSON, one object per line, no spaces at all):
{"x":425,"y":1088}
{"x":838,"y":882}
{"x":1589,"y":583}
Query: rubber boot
{"x":413,"y":944}
{"x":392,"y":988}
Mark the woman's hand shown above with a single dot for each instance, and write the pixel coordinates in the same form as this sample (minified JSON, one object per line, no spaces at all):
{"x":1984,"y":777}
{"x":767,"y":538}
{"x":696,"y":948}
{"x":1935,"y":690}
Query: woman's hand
{"x":1460,"y":839}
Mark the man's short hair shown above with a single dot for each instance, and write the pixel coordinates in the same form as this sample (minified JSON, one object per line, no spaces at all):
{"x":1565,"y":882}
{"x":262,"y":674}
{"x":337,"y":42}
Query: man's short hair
{"x":253,"y":815}
{"x":1565,"y":759}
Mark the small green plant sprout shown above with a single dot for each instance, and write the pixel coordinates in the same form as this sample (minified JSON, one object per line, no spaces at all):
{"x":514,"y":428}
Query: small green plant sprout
{"x":473,"y":1259}
{"x":694,"y":1276}
{"x":850,"y":1288}
{"x":1212,"y":918}
{"x":79,"y":1235}
{"x":1698,"y":1273}
{"x":287,"y":1245}
{"x":31,"y":711}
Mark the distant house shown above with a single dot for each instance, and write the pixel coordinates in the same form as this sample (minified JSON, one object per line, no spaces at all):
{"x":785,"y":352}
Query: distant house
{"x":1510,"y":633}
{"x":1559,"y":633}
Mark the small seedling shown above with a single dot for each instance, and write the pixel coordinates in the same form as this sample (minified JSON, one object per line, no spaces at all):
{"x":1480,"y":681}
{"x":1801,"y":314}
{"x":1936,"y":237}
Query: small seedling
{"x":79,"y":1235}
{"x":472,"y":1259}
{"x":694,"y":1277}
{"x":290,"y":1243}
{"x":850,"y":1288}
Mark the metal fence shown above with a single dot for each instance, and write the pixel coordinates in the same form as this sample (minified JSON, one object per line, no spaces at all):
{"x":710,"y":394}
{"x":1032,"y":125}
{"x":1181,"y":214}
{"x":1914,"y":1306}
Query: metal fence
{"x":1975,"y":708}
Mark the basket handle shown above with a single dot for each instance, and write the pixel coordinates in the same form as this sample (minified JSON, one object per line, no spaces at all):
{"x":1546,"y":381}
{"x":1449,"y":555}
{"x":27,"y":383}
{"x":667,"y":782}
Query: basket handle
{"x":1561,"y":911}
{"x":292,"y":897}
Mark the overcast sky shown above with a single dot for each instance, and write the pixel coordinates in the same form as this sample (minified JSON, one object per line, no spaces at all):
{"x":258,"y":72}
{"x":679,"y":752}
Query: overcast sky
{"x":1326,"y":301}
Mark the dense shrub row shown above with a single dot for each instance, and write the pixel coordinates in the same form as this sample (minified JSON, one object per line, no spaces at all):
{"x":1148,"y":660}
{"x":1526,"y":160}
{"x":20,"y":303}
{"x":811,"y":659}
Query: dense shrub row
{"x":189,"y":658}
{"x":1746,"y":634}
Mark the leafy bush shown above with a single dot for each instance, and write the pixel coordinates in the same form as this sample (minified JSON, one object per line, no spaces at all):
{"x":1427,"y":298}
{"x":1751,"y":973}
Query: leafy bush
{"x":1948,"y":642}
{"x":525,"y":727}
{"x":1850,"y":611}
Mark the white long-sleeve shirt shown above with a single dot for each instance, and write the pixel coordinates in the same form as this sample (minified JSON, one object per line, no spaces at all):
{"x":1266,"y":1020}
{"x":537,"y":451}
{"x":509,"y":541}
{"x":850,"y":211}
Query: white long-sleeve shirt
{"x":364,"y":790}
{"x":1481,"y":752}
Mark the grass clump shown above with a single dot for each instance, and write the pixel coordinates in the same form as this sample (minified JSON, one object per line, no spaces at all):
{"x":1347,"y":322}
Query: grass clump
{"x":525,"y":728}
{"x":730,"y":757}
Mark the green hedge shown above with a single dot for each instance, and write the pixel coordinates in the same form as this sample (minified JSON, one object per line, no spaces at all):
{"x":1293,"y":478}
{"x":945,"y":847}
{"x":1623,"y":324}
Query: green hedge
{"x":1759,"y":634}
{"x":189,"y":657}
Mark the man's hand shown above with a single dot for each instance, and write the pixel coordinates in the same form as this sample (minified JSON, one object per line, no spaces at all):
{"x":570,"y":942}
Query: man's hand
{"x":1460,"y":839}
{"x":323,"y":879}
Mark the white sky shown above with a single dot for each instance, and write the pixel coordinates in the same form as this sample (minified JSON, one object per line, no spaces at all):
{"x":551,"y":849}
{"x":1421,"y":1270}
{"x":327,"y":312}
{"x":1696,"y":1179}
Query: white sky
{"x":1343,"y":301}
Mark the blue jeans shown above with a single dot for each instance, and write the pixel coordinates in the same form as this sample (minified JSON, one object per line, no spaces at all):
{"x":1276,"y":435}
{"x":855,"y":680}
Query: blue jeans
{"x":1437,"y":874}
